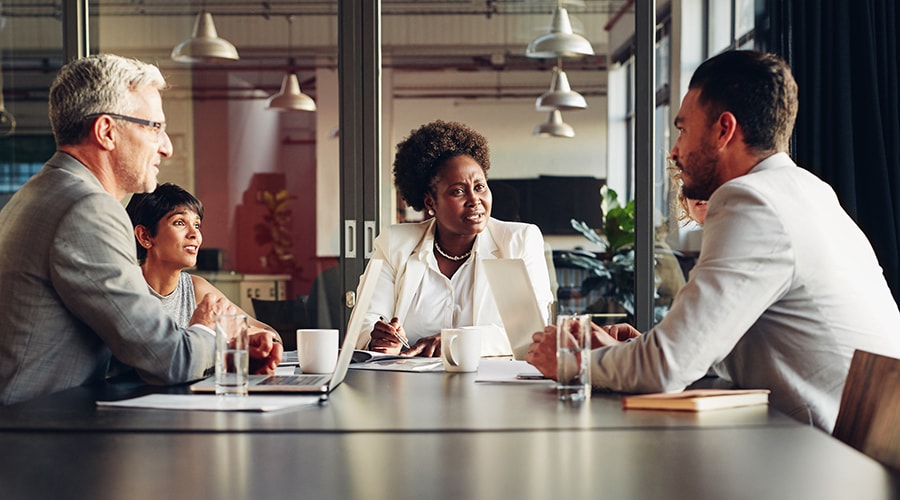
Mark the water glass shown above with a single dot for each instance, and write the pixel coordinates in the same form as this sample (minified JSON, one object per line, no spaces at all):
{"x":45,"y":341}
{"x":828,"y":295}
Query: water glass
{"x":573,"y":356}
{"x":232,"y":354}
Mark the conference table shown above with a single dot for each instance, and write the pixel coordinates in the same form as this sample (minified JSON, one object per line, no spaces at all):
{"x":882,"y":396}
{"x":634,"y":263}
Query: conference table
{"x":403,"y":435}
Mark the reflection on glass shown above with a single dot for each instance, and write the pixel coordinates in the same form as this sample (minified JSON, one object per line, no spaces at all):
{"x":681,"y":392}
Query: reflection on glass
{"x":29,"y":62}
{"x":720,"y":33}
{"x":744,"y":18}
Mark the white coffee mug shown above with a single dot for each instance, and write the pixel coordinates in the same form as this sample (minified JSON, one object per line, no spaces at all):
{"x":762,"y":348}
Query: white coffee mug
{"x":317,"y":350}
{"x":461,"y":348}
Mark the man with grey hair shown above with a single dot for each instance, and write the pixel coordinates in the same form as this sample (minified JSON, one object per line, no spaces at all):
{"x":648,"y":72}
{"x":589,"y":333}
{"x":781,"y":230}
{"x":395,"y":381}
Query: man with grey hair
{"x":71,"y":294}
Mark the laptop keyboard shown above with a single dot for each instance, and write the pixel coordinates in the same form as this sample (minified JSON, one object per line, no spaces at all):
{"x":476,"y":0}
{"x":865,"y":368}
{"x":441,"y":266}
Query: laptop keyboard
{"x":311,"y":380}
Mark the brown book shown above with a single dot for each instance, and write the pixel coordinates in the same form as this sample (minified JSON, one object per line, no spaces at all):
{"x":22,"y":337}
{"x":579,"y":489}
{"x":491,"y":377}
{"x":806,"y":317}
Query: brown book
{"x":697,"y":399}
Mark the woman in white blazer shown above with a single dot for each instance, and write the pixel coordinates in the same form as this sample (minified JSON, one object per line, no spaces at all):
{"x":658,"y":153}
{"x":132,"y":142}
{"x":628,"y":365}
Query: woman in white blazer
{"x":432,"y":276}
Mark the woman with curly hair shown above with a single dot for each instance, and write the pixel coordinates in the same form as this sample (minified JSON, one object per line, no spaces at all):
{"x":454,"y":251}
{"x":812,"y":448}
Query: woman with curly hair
{"x":433,"y":277}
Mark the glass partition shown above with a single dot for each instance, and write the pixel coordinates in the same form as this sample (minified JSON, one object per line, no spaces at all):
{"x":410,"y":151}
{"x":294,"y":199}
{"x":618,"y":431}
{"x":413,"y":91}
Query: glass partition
{"x":31,"y":37}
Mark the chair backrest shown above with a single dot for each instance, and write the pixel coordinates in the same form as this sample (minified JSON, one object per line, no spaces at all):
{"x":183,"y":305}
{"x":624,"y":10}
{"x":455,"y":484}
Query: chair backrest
{"x":883,"y":443}
{"x":285,"y":316}
{"x":869,"y":415}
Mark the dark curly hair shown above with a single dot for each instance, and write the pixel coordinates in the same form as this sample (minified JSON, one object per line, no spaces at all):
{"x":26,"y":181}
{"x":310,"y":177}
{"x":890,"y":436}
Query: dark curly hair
{"x":421,"y":155}
{"x":147,"y":209}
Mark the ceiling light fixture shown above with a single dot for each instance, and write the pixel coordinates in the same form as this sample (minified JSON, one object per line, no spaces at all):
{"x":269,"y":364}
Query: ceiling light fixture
{"x":554,"y":127}
{"x":290,"y":97}
{"x":561,"y":41}
{"x":204,"y":45}
{"x":560,"y":96}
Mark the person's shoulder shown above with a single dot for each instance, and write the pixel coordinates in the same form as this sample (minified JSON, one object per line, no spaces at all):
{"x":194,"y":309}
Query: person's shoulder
{"x":500,"y":227}
{"x":398,"y":241}
{"x":515,"y":236}
{"x":778,"y":170}
{"x":64,"y":180}
{"x":196,"y":280}
{"x":773,"y":182}
{"x":419,"y":227}
{"x":407,"y":230}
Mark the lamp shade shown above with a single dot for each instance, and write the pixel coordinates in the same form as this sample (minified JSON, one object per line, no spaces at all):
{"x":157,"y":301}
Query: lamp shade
{"x":290,"y":98}
{"x":554,"y":127}
{"x":561,"y":41}
{"x":560,"y":96}
{"x":204,"y":45}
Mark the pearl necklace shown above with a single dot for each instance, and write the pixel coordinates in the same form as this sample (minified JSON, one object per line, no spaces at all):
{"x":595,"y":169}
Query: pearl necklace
{"x":451,"y":257}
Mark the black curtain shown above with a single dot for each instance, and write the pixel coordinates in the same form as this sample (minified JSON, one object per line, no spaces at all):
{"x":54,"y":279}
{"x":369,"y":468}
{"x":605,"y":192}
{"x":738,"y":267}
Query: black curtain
{"x":845,"y":58}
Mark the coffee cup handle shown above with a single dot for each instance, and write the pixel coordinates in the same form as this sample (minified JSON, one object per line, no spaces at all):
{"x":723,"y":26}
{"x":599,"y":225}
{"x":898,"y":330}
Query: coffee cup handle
{"x":452,"y":359}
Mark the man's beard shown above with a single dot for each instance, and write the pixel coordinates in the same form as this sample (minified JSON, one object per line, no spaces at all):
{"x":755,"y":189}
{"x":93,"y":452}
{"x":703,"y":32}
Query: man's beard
{"x":703,"y":179}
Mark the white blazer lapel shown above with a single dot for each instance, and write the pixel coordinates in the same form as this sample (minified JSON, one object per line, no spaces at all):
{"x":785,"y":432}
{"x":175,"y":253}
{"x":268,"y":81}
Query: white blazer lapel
{"x":411,"y":279}
{"x":487,"y":249}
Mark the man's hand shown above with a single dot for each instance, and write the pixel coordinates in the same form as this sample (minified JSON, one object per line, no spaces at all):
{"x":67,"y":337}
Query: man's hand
{"x":209,"y":306}
{"x":602,"y":336}
{"x":542,"y":352}
{"x":265,"y":353}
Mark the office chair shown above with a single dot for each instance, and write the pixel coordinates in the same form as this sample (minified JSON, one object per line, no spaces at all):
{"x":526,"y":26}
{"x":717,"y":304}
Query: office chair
{"x":285,"y":316}
{"x":869,"y":414}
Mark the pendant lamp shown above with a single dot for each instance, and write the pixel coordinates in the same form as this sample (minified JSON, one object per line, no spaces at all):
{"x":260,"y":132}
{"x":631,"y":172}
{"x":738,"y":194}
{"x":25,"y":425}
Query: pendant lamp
{"x":560,"y":96}
{"x":204,"y":45}
{"x":554,"y":127}
{"x":290,"y":97}
{"x":561,"y":41}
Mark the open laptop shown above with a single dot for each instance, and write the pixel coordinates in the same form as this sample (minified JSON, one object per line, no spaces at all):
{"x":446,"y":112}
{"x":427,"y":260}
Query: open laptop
{"x":317,"y":383}
{"x":514,"y":295}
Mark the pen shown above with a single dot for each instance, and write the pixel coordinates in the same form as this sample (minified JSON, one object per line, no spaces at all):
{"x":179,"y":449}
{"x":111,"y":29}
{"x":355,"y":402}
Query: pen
{"x":396,"y":334}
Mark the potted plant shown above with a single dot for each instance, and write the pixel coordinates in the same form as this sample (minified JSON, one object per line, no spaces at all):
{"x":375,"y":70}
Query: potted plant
{"x":275,"y":230}
{"x":609,"y":284}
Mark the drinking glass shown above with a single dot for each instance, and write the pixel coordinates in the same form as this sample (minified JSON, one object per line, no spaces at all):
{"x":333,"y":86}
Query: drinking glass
{"x":232,"y":354}
{"x":573,"y":356}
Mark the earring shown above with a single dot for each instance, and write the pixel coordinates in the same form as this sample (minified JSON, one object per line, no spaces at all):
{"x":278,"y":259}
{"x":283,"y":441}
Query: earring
{"x":430,"y":212}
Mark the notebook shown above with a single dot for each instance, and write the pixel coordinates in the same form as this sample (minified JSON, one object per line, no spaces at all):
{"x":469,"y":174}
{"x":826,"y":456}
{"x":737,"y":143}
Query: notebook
{"x":316,"y":383}
{"x":515,"y":299}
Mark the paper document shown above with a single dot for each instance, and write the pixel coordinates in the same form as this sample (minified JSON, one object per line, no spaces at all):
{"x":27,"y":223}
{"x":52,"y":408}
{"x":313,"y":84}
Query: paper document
{"x":369,"y":360}
{"x":509,"y":371}
{"x":289,"y":358}
{"x":212,"y":402}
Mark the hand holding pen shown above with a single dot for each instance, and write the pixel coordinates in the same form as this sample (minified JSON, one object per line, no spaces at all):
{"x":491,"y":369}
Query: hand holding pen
{"x":395,"y":329}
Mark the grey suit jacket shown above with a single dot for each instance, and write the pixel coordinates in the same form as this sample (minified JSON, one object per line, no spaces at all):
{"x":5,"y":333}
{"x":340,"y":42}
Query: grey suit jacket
{"x":72,"y":295}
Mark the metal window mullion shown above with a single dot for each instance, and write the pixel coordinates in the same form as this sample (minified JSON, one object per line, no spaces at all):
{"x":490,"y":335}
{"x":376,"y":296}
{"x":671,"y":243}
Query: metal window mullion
{"x":75,"y":29}
{"x":644,"y":151}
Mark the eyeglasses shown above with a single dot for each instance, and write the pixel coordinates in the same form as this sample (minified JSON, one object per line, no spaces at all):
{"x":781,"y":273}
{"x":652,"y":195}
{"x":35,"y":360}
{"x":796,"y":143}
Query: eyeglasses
{"x":158,"y":126}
